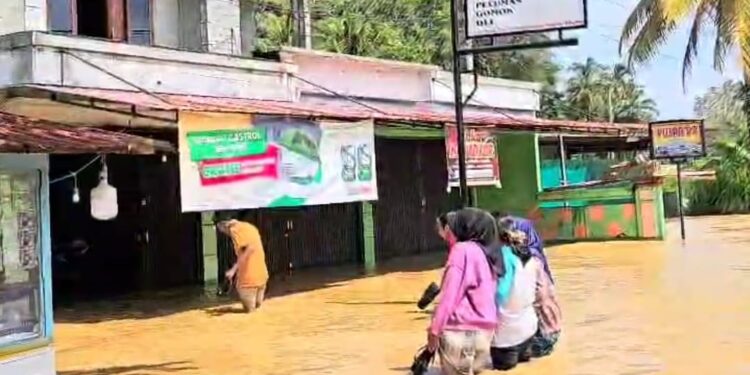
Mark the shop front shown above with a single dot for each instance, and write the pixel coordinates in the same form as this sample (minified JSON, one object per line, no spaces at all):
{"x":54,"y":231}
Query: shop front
{"x":580,"y":187}
{"x":301,"y":181}
{"x":26,"y":318}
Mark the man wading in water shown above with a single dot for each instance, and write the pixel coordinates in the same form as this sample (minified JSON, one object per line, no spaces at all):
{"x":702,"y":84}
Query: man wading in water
{"x":249,"y":273}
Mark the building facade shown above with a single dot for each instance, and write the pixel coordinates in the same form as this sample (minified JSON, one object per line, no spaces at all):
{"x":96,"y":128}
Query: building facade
{"x":136,"y":65}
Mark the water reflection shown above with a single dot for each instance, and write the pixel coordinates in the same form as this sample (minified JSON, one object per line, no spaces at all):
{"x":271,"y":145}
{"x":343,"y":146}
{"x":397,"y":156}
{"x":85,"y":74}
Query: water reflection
{"x":629,"y":308}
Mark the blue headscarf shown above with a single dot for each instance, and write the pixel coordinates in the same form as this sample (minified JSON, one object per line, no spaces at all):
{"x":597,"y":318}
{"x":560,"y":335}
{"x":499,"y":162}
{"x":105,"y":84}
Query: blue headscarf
{"x":535,"y":243}
{"x":505,"y":284}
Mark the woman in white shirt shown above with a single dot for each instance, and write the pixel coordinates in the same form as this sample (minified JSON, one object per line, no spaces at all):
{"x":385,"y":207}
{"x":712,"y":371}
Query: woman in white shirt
{"x":516,"y":294}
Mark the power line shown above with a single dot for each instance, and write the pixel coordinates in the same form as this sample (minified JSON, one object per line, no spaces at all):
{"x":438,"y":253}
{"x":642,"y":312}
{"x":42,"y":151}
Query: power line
{"x":76,"y":172}
{"x":340,"y":95}
{"x":502,"y":113}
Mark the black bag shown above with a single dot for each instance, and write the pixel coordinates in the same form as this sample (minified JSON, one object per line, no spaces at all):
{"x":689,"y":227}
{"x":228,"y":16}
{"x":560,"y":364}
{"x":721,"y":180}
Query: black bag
{"x":422,"y":361}
{"x":428,"y":296}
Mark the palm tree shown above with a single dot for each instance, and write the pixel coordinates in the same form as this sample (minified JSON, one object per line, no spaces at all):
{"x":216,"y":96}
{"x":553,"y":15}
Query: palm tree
{"x":729,"y":155}
{"x":601,"y":93}
{"x":626,"y":99}
{"x":584,"y":88}
{"x":652,"y":21}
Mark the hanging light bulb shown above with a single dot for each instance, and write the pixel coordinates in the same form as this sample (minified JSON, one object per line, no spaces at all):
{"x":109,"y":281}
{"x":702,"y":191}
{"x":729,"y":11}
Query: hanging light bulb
{"x":164,"y":158}
{"x":104,"y":197}
{"x":76,"y":194}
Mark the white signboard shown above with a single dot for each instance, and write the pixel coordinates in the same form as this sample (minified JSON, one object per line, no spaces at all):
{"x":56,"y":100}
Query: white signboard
{"x":235,"y":161}
{"x":503,"y":17}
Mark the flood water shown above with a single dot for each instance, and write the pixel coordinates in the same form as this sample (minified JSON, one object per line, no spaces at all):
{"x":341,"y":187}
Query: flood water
{"x":629,"y":308}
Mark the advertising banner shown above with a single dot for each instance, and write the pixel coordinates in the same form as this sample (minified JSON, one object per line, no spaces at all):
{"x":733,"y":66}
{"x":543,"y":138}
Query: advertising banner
{"x":235,"y":161}
{"x":504,"y":17}
{"x":482,"y":166}
{"x":677,"y":139}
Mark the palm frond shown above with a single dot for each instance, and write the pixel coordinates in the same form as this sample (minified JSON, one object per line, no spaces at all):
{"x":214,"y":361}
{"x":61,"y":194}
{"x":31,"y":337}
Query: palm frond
{"x":650,"y":37}
{"x":643,"y":11}
{"x":691,"y":50}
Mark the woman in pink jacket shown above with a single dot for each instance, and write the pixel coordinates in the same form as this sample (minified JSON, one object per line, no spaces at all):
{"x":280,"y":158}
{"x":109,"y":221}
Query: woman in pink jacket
{"x":466,"y":316}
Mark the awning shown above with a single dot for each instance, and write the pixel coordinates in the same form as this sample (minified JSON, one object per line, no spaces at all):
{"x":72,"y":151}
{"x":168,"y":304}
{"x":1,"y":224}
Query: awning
{"x":339,"y":108}
{"x":19,"y":134}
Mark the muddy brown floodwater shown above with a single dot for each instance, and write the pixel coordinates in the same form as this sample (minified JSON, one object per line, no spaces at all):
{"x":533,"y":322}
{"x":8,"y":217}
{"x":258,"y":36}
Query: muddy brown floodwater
{"x":629,"y":308}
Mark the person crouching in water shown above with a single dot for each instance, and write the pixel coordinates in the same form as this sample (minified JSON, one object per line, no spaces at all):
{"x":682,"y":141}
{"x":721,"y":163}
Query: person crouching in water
{"x":546,"y":305}
{"x":463,"y":322}
{"x":249,"y":273}
{"x":516,"y":294}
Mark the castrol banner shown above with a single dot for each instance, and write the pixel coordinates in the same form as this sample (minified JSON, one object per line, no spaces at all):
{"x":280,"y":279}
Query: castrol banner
{"x":237,"y":161}
{"x":482,"y":166}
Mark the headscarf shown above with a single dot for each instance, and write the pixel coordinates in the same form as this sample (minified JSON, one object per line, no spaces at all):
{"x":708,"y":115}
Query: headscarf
{"x":534,"y":241}
{"x":478,"y":226}
{"x":514,"y":251}
{"x":505,"y":284}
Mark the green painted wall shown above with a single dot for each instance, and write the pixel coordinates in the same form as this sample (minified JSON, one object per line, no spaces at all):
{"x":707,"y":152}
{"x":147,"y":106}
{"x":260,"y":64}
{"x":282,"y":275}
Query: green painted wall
{"x":368,"y":235}
{"x":519,"y":175}
{"x":210,"y":249}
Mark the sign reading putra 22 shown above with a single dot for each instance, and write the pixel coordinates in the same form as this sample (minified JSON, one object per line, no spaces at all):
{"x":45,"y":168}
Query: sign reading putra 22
{"x":679,"y":139}
{"x":504,"y":17}
{"x":235,"y":161}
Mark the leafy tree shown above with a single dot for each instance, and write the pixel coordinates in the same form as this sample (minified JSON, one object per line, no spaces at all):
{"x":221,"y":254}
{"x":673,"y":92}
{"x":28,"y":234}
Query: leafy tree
{"x":595,"y":92}
{"x":729,"y":155}
{"x":407,"y":30}
{"x":585,"y":89}
{"x":653,"y":21}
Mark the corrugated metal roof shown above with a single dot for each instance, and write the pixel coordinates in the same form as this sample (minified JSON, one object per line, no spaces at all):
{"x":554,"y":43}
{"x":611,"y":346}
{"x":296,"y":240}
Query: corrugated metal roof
{"x":20,"y":134}
{"x":421,"y":112}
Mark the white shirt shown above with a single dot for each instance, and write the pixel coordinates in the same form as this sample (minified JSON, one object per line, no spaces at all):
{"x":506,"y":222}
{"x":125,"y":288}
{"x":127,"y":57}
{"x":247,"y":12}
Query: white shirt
{"x":517,"y":319}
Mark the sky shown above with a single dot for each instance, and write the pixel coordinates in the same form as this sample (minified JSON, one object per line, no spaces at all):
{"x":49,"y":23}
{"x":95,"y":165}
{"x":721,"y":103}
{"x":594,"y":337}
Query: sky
{"x":662,"y":78}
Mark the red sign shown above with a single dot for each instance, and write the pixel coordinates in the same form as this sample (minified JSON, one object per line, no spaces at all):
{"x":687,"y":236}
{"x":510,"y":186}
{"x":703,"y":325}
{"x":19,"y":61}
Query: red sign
{"x":482,"y":166}
{"x":222,"y":171}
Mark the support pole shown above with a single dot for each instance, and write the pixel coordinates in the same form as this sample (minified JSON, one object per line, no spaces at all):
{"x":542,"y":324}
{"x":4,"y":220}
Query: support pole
{"x":679,"y":200}
{"x":563,"y":165}
{"x":302,"y":29}
{"x":466,"y":199}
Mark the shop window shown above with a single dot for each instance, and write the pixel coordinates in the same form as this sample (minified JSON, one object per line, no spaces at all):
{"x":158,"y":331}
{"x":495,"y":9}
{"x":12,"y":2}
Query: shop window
{"x":20,"y":276}
{"x":119,"y":20}
{"x":139,"y":21}
{"x":61,"y":16}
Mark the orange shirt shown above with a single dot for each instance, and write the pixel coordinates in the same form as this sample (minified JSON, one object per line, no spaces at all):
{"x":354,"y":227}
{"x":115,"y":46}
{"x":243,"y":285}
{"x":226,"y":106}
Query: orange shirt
{"x":253,"y":273}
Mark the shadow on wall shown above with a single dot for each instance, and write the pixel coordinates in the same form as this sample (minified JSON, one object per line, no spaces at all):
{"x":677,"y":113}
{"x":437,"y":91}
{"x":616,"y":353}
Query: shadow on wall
{"x":149,"y":305}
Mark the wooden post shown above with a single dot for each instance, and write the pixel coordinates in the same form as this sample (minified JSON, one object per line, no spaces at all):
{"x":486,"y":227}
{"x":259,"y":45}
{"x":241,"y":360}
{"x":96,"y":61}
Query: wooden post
{"x":116,"y":20}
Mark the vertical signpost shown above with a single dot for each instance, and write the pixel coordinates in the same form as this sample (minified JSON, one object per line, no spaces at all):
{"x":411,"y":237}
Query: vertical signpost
{"x":486,"y":21}
{"x":678,"y":141}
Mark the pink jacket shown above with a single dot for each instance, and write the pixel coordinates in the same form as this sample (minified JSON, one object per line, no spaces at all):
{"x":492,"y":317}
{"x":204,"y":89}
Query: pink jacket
{"x":467,"y":294}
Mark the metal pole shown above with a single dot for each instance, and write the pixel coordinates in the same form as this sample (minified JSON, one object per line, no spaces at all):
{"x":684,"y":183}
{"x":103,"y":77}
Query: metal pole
{"x":458,"y":102}
{"x":679,"y":200}
{"x":563,"y":165}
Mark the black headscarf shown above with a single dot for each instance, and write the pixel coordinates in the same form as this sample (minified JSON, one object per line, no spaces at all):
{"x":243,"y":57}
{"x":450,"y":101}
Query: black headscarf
{"x":478,"y":226}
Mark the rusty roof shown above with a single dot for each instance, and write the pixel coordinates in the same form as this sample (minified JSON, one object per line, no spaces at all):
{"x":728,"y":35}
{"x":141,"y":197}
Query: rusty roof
{"x":419,"y":112}
{"x":20,"y":134}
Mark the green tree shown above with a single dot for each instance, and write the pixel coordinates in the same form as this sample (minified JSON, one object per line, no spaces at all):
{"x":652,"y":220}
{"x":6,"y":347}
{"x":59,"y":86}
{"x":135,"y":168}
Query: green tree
{"x":596,"y":92}
{"x":653,"y":21}
{"x":584,"y":90}
{"x":407,"y":30}
{"x":729,"y":155}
